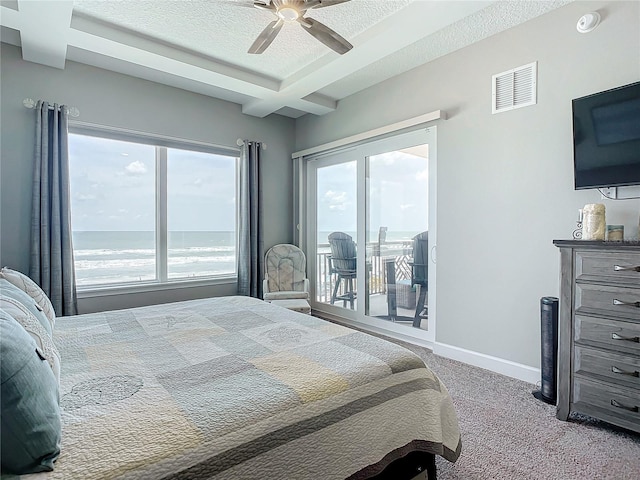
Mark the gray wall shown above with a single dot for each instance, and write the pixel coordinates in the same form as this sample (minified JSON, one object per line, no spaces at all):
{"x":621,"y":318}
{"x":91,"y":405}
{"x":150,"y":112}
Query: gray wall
{"x":113,"y":99}
{"x":505,"y":182}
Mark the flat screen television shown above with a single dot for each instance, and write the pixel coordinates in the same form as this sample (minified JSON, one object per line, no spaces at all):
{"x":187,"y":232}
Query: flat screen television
{"x":606,"y":138}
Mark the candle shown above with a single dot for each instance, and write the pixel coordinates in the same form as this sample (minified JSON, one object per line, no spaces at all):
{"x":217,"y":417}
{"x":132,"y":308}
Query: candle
{"x":579,"y":215}
{"x":615,"y":233}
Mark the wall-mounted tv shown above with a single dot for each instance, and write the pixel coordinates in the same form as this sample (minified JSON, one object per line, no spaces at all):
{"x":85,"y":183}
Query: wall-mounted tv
{"x":606,"y":138}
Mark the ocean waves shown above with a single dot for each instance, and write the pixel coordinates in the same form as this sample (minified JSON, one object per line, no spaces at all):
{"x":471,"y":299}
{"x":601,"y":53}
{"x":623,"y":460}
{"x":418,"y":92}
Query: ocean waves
{"x":130,"y":257}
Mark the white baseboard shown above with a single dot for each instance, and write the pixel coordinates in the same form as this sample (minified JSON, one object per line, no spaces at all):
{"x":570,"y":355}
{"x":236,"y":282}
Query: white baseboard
{"x":495,"y":364}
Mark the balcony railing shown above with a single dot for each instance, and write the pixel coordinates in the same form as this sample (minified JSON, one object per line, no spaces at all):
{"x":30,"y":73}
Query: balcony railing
{"x":377,"y":256}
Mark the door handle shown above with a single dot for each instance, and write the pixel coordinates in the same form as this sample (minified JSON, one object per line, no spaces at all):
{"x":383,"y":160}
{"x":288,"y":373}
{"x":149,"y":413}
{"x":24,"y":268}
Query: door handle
{"x":432,"y":254}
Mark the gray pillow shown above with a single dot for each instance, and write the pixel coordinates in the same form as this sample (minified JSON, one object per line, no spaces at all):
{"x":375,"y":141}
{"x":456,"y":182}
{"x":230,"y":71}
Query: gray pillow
{"x":30,"y":422}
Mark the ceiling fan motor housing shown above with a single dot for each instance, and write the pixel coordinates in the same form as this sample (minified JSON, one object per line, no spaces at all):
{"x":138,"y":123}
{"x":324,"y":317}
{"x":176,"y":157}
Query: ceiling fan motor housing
{"x":294,"y":10}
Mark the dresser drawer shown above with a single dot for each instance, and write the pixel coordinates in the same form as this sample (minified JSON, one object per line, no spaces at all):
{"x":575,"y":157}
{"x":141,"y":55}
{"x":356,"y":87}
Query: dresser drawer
{"x":622,"y":370}
{"x":606,"y":300}
{"x":620,"y":268}
{"x":616,"y":404}
{"x":623,"y":337}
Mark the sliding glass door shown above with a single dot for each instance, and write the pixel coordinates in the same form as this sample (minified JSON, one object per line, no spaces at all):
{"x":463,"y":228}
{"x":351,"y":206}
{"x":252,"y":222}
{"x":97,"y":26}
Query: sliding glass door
{"x":397,"y":200}
{"x":370,"y":233}
{"x":335,"y":231}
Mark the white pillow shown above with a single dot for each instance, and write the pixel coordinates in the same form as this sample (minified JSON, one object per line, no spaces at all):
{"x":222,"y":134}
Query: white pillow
{"x":32,"y":289}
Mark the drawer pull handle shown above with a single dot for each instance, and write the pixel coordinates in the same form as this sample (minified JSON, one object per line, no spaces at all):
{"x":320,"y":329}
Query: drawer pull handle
{"x":621,"y":268}
{"x":615,"y":369}
{"x":617,"y":404}
{"x":615,"y":336}
{"x":628,"y":304}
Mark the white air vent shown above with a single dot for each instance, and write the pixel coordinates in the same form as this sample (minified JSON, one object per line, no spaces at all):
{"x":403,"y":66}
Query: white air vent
{"x":515,"y":88}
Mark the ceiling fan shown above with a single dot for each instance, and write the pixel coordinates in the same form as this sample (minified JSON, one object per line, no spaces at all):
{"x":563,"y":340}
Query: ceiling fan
{"x":294,"y":11}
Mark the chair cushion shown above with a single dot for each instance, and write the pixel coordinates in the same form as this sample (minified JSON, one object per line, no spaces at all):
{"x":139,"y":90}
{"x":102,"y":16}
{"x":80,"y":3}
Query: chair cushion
{"x":32,"y":289}
{"x":269,"y":296}
{"x":285,"y":268}
{"x":31,"y":427}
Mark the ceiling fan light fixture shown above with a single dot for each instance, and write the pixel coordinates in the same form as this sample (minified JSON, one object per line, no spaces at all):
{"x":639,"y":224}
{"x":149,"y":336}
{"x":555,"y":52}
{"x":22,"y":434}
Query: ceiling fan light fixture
{"x":288,"y":13}
{"x":295,"y":11}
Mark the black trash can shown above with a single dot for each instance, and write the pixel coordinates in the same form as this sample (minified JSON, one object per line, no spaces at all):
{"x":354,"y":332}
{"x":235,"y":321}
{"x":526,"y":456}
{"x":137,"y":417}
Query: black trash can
{"x":548,"y":350}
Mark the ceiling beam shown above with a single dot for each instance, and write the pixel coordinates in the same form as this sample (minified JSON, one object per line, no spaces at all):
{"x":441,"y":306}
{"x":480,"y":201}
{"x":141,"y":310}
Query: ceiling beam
{"x":143,"y":58}
{"x":44,"y":29}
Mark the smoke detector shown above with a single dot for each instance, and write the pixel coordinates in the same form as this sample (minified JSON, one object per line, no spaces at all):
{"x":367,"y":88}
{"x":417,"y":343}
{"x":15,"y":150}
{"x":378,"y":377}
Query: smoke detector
{"x":588,"y":22}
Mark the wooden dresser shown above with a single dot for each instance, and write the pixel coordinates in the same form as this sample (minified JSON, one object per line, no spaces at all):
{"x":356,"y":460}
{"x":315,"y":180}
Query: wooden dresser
{"x":599,"y":331}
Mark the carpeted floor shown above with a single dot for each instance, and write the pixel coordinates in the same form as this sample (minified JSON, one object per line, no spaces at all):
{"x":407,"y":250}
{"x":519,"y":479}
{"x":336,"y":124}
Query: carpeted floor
{"x":508,"y":434}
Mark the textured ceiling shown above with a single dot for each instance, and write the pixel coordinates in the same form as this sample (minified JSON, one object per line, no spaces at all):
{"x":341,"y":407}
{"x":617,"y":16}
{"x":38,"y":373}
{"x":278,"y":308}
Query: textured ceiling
{"x":202,"y":45}
{"x":224,"y":30}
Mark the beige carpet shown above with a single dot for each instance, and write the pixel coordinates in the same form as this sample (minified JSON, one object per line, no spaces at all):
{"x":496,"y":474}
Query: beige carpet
{"x":508,"y":434}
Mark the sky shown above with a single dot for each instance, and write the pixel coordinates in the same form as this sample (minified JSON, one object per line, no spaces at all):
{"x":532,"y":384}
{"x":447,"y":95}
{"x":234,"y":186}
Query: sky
{"x":113,"y":187}
{"x":398,"y":196}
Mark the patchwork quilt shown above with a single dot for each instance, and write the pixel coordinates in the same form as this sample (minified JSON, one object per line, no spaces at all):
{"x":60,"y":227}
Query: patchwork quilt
{"x":236,"y":388}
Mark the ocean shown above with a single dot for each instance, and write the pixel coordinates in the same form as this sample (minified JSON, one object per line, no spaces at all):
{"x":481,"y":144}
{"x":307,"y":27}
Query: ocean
{"x":103,"y":258}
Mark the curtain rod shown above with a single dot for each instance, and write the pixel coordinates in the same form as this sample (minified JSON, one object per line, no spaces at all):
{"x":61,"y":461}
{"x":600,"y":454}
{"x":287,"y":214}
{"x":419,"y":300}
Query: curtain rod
{"x":31,"y":104}
{"x":240,"y":142}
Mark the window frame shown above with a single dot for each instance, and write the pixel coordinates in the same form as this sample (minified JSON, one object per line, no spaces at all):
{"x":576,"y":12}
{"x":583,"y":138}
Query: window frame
{"x":161,"y":143}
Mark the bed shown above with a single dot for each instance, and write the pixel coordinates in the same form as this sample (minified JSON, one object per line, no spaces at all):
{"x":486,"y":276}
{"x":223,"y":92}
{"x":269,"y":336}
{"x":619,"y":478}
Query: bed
{"x":236,"y":388}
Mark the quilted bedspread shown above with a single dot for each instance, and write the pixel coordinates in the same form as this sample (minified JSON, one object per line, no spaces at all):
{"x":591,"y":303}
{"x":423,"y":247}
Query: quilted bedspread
{"x":235,"y":388}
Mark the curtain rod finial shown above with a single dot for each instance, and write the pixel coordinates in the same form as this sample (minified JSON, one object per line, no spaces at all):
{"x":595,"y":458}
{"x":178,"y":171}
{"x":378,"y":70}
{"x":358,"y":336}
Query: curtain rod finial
{"x":240,"y":142}
{"x":29,"y":103}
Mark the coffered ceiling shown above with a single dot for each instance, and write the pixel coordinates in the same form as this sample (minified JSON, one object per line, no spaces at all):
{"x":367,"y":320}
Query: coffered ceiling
{"x":201,"y":45}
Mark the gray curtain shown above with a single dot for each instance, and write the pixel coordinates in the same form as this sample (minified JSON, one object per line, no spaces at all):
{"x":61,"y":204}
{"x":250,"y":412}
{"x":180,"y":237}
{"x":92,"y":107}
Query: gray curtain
{"x":251,"y":243}
{"x":51,"y":245}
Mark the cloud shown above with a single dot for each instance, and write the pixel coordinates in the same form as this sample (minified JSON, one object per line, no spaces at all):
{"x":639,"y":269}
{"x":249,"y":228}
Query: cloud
{"x":81,"y":197}
{"x":136,"y":168}
{"x":336,"y":200}
{"x":387,"y":159}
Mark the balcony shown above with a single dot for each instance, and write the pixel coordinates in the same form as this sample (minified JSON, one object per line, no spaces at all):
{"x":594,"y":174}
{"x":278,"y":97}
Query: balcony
{"x":400,"y":253}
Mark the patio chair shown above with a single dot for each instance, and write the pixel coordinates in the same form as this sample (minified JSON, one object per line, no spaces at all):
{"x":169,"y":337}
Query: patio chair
{"x":420,"y":274}
{"x":342,"y":263}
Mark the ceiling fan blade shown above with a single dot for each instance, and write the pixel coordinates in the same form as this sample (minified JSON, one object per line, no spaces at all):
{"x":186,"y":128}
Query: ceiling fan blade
{"x":264,"y":5}
{"x":325,"y":3}
{"x":244,"y":4}
{"x":327,"y":36}
{"x":266,"y":37}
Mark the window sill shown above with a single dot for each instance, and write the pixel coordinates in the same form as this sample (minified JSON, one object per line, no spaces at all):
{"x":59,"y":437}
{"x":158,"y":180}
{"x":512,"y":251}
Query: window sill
{"x":111,"y":290}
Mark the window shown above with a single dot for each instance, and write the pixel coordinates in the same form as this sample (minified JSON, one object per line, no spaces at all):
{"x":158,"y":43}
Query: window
{"x":148,"y":210}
